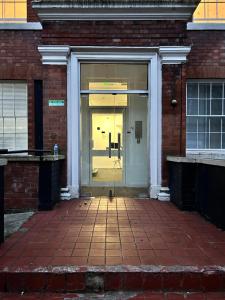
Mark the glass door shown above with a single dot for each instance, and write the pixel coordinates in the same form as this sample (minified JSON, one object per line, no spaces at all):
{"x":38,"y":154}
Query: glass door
{"x":107,"y":151}
{"x":114,"y":118}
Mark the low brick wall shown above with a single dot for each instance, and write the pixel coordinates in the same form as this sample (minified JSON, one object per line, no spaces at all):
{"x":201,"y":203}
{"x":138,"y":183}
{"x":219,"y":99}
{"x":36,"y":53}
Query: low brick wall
{"x":21,"y":185}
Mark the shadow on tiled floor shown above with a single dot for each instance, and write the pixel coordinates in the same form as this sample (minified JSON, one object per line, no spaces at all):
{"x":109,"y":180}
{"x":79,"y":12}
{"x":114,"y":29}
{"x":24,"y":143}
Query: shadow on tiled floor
{"x":113,"y":232}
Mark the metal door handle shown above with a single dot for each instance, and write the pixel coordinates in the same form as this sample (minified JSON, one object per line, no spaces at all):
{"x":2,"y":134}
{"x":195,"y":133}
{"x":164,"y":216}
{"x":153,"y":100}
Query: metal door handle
{"x":119,"y":143}
{"x":110,"y":140}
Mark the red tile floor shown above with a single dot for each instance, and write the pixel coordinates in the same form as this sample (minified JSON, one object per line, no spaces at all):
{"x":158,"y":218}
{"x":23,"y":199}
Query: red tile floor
{"x":116,"y":231}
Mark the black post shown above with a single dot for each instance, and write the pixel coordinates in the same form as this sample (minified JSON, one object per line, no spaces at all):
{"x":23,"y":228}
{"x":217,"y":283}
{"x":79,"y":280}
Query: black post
{"x":1,"y":204}
{"x":38,"y":98}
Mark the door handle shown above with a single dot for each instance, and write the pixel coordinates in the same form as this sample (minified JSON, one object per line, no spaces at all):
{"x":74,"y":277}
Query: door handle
{"x":110,"y":141}
{"x":119,"y":144}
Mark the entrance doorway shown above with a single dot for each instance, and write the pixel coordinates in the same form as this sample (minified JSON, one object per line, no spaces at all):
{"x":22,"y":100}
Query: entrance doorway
{"x":114,"y":131}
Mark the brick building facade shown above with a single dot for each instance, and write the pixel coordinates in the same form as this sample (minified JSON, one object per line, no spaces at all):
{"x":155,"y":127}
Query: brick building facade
{"x":49,"y":51}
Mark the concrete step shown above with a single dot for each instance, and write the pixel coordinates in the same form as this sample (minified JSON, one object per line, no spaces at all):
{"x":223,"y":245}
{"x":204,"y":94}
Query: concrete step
{"x":103,"y":279}
{"x":115,"y":296}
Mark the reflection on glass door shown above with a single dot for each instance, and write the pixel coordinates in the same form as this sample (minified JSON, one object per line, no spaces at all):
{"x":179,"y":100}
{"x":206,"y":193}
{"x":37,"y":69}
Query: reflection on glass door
{"x":106,"y":147}
{"x":114,"y":129}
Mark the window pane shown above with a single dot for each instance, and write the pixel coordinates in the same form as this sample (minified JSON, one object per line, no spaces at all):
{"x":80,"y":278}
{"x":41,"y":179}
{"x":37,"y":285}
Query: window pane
{"x":13,"y":11}
{"x":9,"y":125}
{"x":223,"y":124}
{"x":215,"y":124}
{"x":114,"y":76}
{"x":192,"y":107}
{"x":192,"y":124}
{"x":21,"y":107}
{"x":217,"y":91}
{"x":192,"y":90}
{"x":1,"y":125}
{"x":203,"y":124}
{"x":204,"y":107}
{"x":21,"y":125}
{"x":216,"y":107}
{"x":223,"y":141}
{"x":21,"y":142}
{"x":9,"y":141}
{"x":215,"y":140}
{"x":203,"y":140}
{"x":1,"y":141}
{"x":192,"y":140}
{"x":204,"y":91}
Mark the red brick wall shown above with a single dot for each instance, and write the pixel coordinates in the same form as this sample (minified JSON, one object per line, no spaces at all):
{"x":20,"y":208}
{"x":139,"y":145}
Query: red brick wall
{"x":116,"y":33}
{"x":21,"y":185}
{"x":207,"y":57}
{"x":173,"y":117}
{"x":20,"y":59}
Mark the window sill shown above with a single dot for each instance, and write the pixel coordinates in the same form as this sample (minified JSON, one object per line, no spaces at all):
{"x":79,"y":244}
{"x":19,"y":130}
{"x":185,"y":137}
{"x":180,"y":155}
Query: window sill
{"x":21,"y":26}
{"x":205,"y":26}
{"x":211,"y":153}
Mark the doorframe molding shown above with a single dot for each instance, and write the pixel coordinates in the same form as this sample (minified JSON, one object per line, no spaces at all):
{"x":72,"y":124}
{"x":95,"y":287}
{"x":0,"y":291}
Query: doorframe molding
{"x":155,"y":56}
{"x":154,"y":116}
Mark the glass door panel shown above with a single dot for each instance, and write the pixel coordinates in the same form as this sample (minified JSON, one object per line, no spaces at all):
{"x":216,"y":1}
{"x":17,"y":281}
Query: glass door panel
{"x":106,"y":146}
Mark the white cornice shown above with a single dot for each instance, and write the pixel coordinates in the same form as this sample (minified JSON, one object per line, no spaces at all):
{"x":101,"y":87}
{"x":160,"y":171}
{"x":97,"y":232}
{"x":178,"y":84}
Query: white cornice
{"x":54,"y":55}
{"x":174,"y":54}
{"x":58,"y":55}
{"x":155,"y":13}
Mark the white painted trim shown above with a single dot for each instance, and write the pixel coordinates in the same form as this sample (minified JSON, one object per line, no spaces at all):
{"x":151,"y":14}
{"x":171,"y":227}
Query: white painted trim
{"x":21,"y":26}
{"x":205,"y":26}
{"x":155,"y":125}
{"x":54,"y":55}
{"x":155,"y":129}
{"x":59,"y":55}
{"x":73,"y":127}
{"x":174,"y":54}
{"x":63,"y":12}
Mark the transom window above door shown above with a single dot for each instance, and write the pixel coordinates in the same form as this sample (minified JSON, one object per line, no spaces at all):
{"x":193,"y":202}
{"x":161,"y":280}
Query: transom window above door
{"x":114,"y":76}
{"x":205,"y":124}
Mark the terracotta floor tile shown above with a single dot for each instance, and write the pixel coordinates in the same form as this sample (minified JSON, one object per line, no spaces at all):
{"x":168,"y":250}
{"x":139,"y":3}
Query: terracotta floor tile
{"x":98,"y":239}
{"x":116,"y":260}
{"x":113,"y":252}
{"x":113,"y":246}
{"x":110,"y":239}
{"x":97,"y":252}
{"x":82,"y":245}
{"x":80,"y":252}
{"x":96,"y":261}
{"x":98,"y":245}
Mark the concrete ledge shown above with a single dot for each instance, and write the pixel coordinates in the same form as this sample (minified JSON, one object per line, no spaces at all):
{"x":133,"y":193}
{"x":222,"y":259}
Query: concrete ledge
{"x":213,"y":162}
{"x":205,"y":26}
{"x":123,"y":278}
{"x":21,"y":26}
{"x":31,"y":158}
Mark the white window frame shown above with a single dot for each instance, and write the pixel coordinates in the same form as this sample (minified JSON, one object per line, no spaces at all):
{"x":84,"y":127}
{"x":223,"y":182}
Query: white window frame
{"x":15,"y":117}
{"x":210,"y":152}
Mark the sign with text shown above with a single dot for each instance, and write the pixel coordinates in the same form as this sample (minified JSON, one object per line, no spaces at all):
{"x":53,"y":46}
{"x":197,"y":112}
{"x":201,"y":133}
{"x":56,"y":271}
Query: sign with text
{"x":55,"y":102}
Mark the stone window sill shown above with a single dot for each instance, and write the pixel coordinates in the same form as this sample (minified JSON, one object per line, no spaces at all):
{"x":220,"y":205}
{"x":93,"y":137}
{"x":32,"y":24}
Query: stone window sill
{"x":205,"y":26}
{"x":21,"y":26}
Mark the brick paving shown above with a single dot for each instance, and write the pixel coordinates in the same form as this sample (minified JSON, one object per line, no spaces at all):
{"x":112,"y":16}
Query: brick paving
{"x":116,"y":231}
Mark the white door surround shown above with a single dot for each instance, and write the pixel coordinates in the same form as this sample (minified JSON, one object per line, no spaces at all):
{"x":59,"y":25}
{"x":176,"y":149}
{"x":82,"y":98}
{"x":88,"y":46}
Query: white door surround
{"x":155,"y":56}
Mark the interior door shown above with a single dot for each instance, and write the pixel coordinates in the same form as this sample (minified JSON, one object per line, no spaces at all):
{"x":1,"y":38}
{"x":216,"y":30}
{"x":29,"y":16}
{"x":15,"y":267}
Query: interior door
{"x":107,"y":148}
